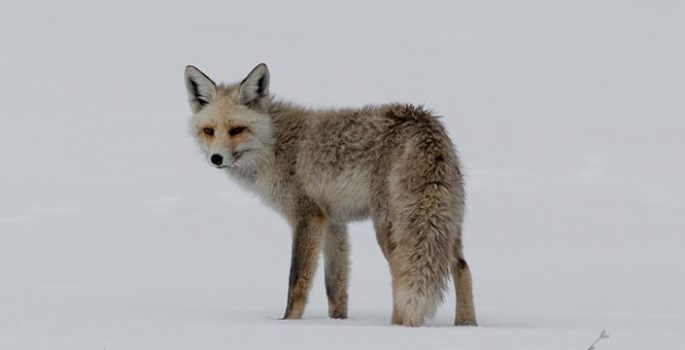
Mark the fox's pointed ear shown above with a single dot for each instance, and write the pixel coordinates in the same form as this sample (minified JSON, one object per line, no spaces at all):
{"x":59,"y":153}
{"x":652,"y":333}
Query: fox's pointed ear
{"x":201,"y":89}
{"x":255,"y":86}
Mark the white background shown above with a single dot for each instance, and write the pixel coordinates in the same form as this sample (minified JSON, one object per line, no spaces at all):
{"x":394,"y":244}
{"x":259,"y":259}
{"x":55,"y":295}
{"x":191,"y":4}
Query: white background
{"x":116,"y":234}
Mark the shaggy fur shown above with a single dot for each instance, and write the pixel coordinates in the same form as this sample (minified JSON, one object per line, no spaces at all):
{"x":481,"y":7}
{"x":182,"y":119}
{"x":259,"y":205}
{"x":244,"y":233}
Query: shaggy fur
{"x":321,"y":169}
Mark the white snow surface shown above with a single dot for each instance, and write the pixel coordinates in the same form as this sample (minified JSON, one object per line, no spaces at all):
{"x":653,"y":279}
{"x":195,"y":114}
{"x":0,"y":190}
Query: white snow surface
{"x":116,"y":234}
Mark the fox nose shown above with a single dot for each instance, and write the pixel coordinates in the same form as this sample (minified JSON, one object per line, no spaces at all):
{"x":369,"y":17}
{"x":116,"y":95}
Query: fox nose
{"x":216,"y":159}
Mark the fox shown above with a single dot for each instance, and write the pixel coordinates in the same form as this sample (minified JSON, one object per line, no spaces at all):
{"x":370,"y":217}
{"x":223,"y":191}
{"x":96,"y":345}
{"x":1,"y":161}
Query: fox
{"x":324,"y":168}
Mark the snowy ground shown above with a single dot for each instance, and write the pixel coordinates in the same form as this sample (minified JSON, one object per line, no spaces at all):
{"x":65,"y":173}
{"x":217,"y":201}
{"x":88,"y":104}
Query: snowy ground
{"x":115,"y":234}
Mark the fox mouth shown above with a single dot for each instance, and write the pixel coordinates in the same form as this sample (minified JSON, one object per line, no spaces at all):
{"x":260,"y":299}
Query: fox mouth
{"x":236,"y":156}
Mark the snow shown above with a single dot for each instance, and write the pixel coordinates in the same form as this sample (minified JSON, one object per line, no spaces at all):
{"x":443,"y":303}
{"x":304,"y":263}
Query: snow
{"x":116,"y":234}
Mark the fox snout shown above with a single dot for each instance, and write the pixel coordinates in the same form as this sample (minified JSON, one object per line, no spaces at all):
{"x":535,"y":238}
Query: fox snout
{"x":216,"y":159}
{"x":221,"y":161}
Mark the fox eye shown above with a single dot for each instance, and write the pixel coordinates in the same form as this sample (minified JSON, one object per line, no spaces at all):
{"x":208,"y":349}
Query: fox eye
{"x":208,"y":131}
{"x":237,"y":130}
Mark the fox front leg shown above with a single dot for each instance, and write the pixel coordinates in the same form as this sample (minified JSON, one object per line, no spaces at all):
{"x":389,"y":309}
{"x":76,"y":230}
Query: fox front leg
{"x":336,"y":251}
{"x":305,"y":252}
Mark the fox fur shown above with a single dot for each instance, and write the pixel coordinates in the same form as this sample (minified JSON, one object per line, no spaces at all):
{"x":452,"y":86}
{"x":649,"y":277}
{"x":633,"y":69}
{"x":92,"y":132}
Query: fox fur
{"x":321,"y":169}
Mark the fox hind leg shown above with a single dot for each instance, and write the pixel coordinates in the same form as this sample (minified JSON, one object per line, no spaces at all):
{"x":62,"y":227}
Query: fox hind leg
{"x":383,"y":228}
{"x":466,"y":312}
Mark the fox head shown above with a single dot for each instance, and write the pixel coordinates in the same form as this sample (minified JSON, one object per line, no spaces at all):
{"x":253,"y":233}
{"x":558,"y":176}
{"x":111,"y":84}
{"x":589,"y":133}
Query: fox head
{"x":230,"y":123}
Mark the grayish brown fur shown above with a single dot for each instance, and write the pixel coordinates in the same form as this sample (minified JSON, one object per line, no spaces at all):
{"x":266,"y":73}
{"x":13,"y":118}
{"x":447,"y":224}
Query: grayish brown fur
{"x":321,"y":169}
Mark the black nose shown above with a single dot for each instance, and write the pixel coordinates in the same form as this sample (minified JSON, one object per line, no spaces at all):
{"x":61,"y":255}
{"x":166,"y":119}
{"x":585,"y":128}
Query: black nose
{"x":216,"y":159}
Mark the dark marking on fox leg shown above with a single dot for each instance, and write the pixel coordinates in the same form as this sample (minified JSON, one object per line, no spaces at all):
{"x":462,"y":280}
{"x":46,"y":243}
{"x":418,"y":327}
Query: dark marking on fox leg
{"x":461,"y":264}
{"x":465,"y":310}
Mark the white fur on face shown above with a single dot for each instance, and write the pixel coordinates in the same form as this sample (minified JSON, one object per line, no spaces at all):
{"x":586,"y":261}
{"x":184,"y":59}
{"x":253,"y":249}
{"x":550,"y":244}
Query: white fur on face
{"x":240,"y":152}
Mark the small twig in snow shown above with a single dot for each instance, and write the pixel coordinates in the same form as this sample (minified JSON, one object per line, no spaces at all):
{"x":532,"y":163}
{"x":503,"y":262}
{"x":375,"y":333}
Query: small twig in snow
{"x":604,"y":335}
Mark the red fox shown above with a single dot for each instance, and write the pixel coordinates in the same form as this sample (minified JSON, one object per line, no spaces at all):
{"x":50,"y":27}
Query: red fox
{"x":321,"y":169}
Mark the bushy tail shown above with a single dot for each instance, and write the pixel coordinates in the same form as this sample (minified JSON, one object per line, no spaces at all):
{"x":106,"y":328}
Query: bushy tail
{"x":423,"y":256}
{"x":426,"y":198}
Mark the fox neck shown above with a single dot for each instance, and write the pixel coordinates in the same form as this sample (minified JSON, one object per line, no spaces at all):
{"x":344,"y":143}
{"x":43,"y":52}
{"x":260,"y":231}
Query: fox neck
{"x":249,"y":174}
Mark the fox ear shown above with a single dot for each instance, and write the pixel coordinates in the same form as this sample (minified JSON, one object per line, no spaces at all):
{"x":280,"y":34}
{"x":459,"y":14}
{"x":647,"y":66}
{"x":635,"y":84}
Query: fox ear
{"x":255,"y":86}
{"x":201,"y":89}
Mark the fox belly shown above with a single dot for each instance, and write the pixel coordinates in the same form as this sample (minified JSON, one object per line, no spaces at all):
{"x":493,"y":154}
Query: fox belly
{"x":343,"y":197}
